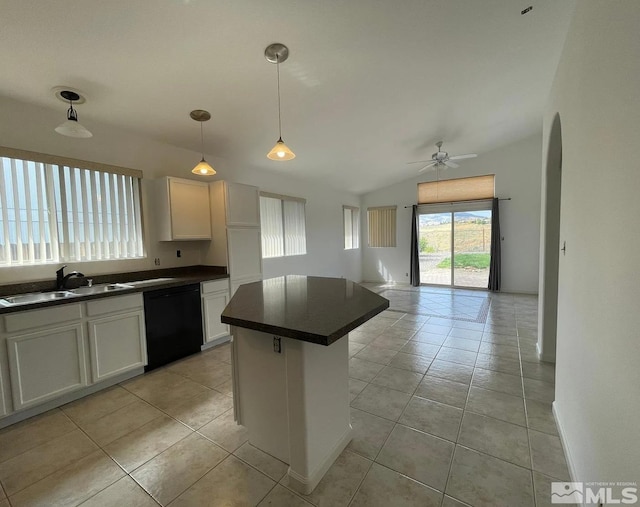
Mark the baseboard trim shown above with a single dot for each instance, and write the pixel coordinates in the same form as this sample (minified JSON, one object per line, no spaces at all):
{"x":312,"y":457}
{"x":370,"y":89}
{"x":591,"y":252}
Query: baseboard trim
{"x":306,"y":485}
{"x":215,"y":343}
{"x":563,"y":440}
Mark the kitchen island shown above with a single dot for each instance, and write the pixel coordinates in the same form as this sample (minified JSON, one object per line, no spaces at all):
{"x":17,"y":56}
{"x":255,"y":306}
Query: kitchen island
{"x":290,"y":354}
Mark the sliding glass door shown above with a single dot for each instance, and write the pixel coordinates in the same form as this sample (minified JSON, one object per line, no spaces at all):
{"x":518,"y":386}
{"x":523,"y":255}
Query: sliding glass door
{"x":454,"y":246}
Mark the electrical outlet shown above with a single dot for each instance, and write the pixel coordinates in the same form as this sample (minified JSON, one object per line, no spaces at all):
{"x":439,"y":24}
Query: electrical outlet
{"x":156,"y":261}
{"x":178,"y":253}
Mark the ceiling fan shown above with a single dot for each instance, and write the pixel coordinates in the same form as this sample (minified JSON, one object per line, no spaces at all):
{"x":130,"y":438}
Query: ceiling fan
{"x":441,"y":159}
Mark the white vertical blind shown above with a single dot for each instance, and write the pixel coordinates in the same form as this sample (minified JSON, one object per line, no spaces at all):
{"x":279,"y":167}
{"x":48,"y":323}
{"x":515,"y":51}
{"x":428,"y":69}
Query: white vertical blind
{"x":272,"y":227}
{"x":53,"y":213}
{"x":295,"y":240}
{"x":382,"y":226}
{"x":283,"y":229}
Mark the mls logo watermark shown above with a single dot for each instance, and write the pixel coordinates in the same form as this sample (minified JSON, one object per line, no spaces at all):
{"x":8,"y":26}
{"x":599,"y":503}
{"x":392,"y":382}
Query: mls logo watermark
{"x":594,"y":493}
{"x":566,"y":492}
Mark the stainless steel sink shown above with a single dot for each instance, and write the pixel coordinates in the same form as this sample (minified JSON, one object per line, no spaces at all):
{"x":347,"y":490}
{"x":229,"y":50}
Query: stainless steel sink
{"x":35,"y":297}
{"x":100,"y":289}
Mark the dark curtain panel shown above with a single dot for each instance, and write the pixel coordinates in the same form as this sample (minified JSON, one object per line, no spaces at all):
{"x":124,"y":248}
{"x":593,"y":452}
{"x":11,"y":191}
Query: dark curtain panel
{"x":494,"y":267}
{"x":415,"y":259}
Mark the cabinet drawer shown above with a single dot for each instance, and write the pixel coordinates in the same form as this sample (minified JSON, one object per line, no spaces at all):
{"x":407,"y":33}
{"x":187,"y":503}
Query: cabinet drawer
{"x":215,"y":286}
{"x":114,"y":304}
{"x":44,"y":317}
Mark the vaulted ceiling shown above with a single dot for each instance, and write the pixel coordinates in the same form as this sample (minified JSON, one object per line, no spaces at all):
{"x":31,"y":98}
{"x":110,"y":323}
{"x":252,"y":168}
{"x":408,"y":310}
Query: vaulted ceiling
{"x":369,"y":84}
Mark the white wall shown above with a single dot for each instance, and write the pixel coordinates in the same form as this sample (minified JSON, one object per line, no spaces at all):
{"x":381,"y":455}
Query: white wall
{"x":595,"y":93}
{"x":31,"y":127}
{"x":517,"y":170}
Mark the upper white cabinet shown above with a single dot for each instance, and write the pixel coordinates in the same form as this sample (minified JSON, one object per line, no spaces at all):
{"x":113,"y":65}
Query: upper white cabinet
{"x":236,"y":242}
{"x":242,"y":205}
{"x":183,"y":211}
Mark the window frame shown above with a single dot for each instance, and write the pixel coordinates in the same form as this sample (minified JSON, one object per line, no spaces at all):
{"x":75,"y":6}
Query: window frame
{"x":53,"y":174}
{"x":392,"y":238}
{"x":355,"y":226}
{"x":283,"y":199}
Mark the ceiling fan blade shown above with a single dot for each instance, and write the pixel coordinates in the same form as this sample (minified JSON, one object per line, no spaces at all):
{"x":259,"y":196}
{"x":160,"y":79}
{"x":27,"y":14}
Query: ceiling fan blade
{"x":460,"y":157}
{"x":427,"y":167}
{"x":453,"y":165}
{"x":420,"y":162}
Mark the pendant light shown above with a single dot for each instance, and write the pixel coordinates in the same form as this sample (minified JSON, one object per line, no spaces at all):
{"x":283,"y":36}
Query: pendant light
{"x":72,"y":127}
{"x":203,"y":168}
{"x":278,"y":53}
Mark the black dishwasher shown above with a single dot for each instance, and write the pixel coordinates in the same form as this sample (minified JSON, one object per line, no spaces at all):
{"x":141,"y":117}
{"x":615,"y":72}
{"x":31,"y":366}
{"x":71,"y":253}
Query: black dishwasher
{"x":173,"y":318}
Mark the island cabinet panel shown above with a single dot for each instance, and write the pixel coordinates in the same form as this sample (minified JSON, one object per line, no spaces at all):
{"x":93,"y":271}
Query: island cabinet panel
{"x":117,"y":344}
{"x":46,"y":364}
{"x":182,"y":209}
{"x":294,"y":403}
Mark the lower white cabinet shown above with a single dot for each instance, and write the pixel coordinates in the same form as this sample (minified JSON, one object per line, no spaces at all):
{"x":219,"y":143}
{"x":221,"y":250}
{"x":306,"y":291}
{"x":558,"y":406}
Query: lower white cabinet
{"x":117,"y":344}
{"x":54,"y":351}
{"x":3,"y":402}
{"x":212,"y":306}
{"x":215,"y":297}
{"x":46,"y":364}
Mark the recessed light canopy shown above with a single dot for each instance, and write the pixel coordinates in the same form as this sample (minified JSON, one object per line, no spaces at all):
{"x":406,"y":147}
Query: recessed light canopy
{"x":72,"y":127}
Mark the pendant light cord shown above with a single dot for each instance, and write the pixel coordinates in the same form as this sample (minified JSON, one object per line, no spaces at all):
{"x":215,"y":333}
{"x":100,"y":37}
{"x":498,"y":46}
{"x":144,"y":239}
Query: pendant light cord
{"x":202,"y":140}
{"x":279,"y":117}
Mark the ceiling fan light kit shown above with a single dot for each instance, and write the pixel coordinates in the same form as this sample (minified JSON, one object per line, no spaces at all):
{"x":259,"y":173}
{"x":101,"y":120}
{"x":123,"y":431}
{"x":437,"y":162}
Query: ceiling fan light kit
{"x":441,"y":159}
{"x":278,"y":53}
{"x":72,"y":127}
{"x":203,"y":168}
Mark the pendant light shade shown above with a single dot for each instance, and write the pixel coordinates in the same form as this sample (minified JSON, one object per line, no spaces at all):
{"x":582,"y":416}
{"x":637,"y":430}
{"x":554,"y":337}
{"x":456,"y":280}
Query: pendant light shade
{"x":281,"y":152}
{"x":72,"y":127}
{"x":278,"y":53}
{"x":203,"y":168}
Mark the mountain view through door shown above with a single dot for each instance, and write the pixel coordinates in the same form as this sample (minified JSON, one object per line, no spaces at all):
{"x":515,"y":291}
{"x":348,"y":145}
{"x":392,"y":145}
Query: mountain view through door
{"x":454,"y":248}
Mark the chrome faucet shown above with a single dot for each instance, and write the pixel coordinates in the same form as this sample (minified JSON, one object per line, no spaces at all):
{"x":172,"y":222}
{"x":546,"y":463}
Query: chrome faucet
{"x":61,"y":278}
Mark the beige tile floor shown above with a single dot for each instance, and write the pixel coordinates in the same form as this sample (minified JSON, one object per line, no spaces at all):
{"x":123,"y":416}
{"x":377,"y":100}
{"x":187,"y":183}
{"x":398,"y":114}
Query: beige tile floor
{"x":446,"y":413}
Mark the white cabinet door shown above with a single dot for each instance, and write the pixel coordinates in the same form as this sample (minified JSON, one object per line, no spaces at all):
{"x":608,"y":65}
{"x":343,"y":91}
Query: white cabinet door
{"x":242,"y":205}
{"x":212,"y":307}
{"x":245,"y":258}
{"x":190,"y":215}
{"x":3,"y":402}
{"x":117,"y":344}
{"x":46,"y":364}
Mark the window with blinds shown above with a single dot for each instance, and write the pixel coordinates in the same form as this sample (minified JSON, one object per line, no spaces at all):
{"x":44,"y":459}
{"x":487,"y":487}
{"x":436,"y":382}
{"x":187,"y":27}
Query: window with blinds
{"x":382,"y":226}
{"x":56,"y":212}
{"x":282,"y":223}
{"x":351,"y":220}
{"x":459,"y":189}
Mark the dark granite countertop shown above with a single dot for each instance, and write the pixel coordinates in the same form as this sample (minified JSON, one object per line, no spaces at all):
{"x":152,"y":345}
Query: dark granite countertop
{"x":141,"y":281}
{"x":309,"y":308}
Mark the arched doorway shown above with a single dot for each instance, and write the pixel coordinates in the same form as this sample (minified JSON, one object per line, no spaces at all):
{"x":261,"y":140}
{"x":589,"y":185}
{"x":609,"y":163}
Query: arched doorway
{"x":550,"y":245}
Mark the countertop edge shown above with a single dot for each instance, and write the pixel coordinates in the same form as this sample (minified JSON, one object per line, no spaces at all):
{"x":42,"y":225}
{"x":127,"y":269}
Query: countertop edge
{"x":303,"y":335}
